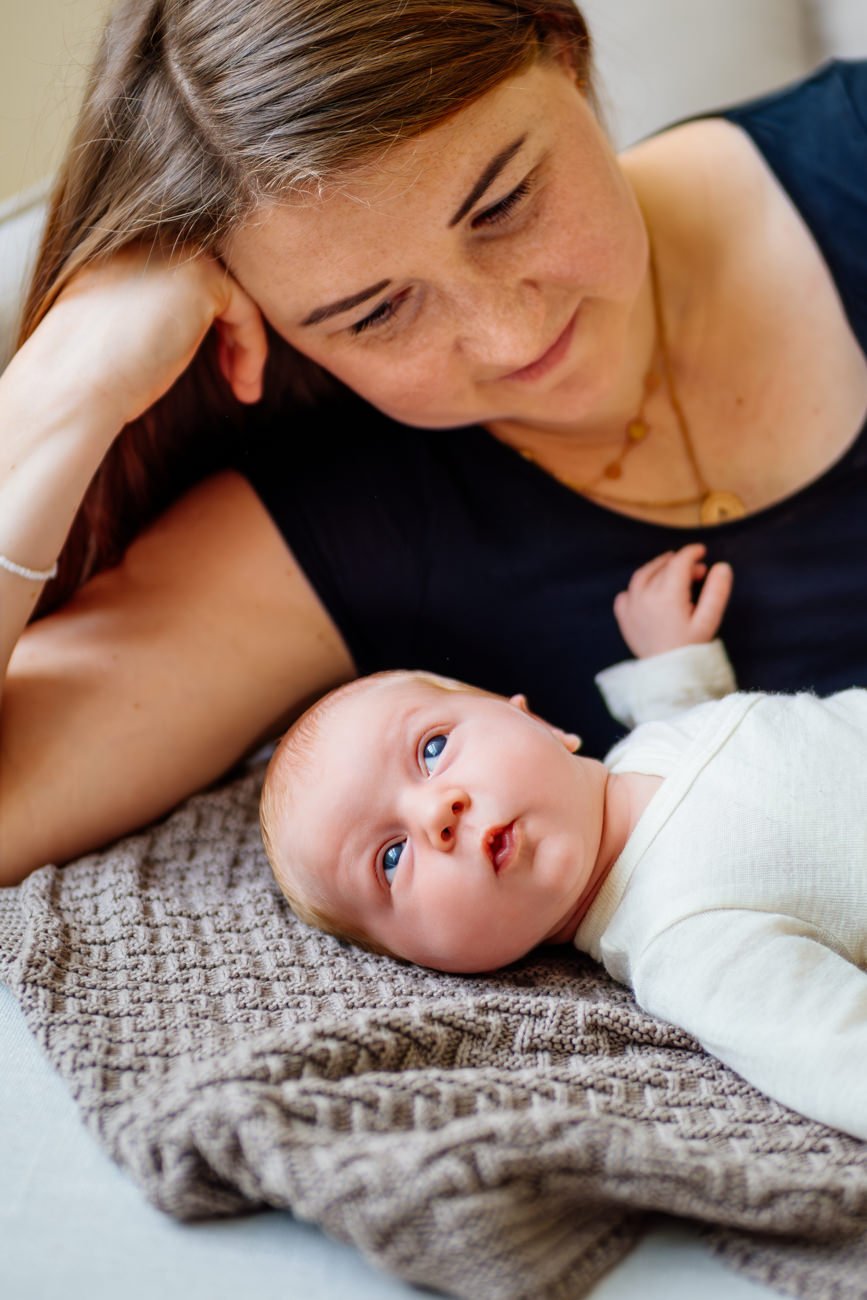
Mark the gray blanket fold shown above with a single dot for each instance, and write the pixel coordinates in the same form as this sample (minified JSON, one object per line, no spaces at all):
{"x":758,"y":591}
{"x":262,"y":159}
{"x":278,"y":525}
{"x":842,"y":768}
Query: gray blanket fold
{"x":495,"y":1137}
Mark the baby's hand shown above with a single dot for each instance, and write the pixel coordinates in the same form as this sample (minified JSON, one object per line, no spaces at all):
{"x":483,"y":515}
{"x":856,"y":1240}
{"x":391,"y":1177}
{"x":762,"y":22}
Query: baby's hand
{"x":657,"y":612}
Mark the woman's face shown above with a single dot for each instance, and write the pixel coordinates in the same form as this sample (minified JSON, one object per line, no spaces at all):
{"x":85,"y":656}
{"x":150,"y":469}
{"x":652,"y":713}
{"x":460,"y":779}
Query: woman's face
{"x":485,"y":271}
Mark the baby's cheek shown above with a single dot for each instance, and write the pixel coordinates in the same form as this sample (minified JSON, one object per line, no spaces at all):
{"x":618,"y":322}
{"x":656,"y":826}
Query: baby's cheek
{"x":439,"y":930}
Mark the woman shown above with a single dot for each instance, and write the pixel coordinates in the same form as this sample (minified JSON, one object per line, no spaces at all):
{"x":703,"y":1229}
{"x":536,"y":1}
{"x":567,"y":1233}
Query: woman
{"x":600,"y":357}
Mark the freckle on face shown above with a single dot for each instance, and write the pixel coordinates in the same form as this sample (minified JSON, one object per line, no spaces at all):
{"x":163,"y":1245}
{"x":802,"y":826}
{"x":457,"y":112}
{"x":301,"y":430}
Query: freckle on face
{"x":585,"y":243}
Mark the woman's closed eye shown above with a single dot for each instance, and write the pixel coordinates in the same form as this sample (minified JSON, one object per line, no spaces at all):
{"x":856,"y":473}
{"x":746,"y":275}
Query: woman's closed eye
{"x":500,"y":211}
{"x":386,"y":311}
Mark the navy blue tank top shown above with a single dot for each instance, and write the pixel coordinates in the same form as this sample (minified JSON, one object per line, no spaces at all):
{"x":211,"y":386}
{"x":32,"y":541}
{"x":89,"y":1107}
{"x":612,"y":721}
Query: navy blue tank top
{"x":448,"y":550}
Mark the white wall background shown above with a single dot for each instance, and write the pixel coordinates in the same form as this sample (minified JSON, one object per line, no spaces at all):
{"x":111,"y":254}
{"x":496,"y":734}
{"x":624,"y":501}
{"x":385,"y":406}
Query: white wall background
{"x":663,"y":59}
{"x":45,"y":48}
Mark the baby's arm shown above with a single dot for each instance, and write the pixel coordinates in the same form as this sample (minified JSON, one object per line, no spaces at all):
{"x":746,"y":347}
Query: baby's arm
{"x":762,"y":993}
{"x":679,"y":664}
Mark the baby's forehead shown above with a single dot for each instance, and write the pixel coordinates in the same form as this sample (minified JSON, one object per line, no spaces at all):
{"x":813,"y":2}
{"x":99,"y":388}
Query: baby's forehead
{"x":373,"y":704}
{"x":342,"y":763}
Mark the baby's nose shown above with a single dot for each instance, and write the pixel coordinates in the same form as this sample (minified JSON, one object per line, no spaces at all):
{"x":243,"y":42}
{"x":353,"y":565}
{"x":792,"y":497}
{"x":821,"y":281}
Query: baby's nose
{"x":445,"y":811}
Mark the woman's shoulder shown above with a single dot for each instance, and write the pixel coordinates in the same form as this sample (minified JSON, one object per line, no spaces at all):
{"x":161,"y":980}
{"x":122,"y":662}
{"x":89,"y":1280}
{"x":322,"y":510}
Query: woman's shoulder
{"x":832,"y":98}
{"x":694,"y":162}
{"x":705,"y":191}
{"x":800,"y":131}
{"x":733,"y":179}
{"x":811,"y":139}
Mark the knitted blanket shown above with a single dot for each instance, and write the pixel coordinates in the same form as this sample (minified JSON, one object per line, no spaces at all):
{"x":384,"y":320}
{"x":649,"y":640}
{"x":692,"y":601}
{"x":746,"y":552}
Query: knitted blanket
{"x":494,"y":1137}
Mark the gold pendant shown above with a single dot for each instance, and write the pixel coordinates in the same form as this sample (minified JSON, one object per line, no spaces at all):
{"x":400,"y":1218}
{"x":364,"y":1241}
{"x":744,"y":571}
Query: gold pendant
{"x":719,"y":507}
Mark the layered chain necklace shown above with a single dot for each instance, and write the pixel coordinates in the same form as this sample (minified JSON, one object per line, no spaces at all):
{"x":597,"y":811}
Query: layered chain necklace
{"x":714,"y":506}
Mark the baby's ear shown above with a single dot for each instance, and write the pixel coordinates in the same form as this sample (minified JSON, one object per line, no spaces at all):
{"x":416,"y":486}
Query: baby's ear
{"x":568,"y":738}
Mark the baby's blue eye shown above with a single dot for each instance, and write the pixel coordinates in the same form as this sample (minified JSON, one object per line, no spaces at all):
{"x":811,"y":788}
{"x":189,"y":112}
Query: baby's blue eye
{"x":432,"y":751}
{"x":390,"y":859}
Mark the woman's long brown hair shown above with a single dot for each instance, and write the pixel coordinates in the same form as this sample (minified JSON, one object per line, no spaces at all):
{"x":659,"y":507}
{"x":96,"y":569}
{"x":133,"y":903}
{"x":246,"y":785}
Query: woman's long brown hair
{"x":196,"y":111}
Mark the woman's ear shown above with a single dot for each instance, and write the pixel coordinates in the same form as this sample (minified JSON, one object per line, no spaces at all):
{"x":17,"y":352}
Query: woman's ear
{"x":563,"y":56}
{"x":568,"y":738}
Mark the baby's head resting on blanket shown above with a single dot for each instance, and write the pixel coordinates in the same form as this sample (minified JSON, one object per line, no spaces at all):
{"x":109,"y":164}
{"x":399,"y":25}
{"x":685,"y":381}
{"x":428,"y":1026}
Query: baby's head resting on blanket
{"x":439,"y":823}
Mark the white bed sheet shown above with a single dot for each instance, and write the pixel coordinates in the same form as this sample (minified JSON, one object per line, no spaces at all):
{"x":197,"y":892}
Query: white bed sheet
{"x":73,"y":1227}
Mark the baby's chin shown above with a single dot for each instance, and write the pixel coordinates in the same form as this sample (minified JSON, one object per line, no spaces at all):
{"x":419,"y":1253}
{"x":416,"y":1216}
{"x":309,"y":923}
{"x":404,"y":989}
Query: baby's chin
{"x":463,"y":962}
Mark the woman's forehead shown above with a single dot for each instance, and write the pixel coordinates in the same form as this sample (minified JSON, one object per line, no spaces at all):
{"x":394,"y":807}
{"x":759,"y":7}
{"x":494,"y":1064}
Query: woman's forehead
{"x":366,"y":219}
{"x":464,"y":137}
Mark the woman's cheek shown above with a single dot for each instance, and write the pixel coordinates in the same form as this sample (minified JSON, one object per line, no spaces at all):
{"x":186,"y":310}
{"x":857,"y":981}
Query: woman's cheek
{"x":406,"y":390}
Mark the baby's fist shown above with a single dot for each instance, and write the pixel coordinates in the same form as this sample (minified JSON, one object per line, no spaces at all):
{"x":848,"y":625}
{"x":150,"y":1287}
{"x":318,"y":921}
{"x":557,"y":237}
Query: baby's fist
{"x":657,"y":613}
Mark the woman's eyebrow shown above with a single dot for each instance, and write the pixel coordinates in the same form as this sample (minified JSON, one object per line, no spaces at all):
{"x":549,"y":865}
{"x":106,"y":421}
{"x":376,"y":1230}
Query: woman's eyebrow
{"x":345,"y":304}
{"x":487,"y":178}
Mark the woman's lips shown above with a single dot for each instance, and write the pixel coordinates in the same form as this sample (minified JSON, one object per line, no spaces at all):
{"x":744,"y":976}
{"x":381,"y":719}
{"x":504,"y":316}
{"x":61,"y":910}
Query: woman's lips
{"x":501,"y":845}
{"x":548,"y":360}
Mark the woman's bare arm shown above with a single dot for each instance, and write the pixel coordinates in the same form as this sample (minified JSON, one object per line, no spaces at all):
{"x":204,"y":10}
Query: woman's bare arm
{"x":115,"y":341}
{"x":161,"y":673}
{"x":157,"y":677}
{"x":53,"y":435}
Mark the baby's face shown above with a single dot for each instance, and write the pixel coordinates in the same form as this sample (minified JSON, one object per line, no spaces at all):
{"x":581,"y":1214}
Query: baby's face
{"x":456,"y":829}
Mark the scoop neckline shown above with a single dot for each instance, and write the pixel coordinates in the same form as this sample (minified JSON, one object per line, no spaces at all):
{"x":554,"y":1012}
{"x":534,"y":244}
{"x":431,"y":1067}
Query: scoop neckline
{"x":738,"y":116}
{"x":728,"y":528}
{"x":735,"y":115}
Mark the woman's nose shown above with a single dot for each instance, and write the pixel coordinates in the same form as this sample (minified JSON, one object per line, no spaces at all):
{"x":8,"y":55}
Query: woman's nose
{"x":441,"y":815}
{"x":503,"y":326}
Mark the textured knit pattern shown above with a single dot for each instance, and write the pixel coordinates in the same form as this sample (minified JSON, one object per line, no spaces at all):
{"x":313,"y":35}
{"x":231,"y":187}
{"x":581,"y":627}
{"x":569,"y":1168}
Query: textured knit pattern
{"x":494,"y":1137}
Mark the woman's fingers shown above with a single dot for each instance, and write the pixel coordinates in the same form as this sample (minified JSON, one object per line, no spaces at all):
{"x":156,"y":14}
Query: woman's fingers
{"x":144,"y":314}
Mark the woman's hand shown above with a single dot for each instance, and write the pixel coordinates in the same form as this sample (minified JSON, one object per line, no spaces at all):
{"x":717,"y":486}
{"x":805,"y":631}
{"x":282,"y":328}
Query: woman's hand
{"x":125,"y":329}
{"x":115,"y":341}
{"x":657,"y":613}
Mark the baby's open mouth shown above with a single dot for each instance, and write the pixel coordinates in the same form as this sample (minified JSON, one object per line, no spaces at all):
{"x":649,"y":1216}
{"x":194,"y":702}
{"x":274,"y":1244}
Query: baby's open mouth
{"x":500,"y":845}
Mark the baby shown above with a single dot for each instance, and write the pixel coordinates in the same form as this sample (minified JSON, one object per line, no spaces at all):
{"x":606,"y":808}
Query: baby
{"x":716,"y":861}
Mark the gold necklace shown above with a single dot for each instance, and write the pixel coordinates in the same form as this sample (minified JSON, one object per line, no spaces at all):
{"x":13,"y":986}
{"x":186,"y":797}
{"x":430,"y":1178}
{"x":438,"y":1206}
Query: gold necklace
{"x":714,"y":506}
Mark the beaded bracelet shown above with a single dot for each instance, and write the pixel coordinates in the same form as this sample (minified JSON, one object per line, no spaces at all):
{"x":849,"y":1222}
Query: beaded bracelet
{"x":32,"y":575}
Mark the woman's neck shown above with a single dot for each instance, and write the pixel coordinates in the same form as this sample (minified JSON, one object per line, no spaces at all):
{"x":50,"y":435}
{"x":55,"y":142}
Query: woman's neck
{"x":583,"y":449}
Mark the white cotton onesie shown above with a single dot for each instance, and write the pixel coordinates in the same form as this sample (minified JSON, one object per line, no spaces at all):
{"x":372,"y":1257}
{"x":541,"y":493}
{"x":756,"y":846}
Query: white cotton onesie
{"x":738,"y":907}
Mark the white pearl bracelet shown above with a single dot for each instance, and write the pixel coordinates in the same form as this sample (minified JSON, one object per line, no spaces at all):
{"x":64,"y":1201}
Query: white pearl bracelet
{"x":32,"y":575}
